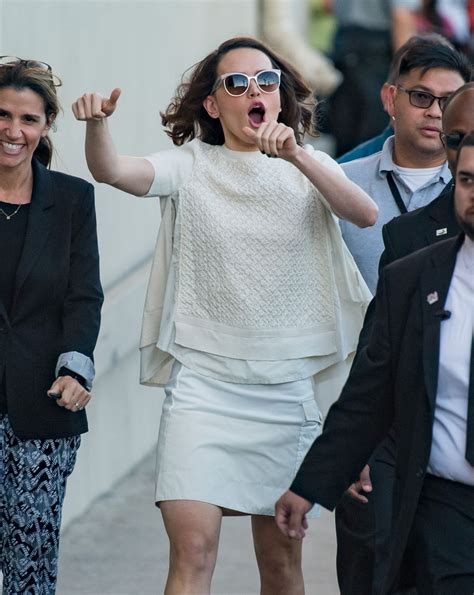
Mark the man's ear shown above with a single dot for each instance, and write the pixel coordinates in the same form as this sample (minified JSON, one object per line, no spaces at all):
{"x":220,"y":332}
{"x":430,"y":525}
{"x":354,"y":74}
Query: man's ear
{"x":389,"y":93}
{"x":210,"y":106}
{"x":385,"y":95}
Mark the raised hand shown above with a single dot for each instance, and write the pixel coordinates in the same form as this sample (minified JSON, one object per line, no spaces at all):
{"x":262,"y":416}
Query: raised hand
{"x":275,"y":139}
{"x":93,"y":106}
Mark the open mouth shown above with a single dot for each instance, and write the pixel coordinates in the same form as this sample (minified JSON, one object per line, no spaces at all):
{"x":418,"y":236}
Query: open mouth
{"x":257,"y":114}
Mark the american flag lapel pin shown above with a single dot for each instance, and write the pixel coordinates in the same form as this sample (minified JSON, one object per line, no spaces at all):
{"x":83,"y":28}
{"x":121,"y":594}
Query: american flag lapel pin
{"x":432,"y":297}
{"x":441,"y":232}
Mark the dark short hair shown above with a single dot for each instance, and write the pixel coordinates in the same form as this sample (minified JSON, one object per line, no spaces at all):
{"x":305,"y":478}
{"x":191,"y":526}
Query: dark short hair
{"x":185,"y":117}
{"x":428,"y":56}
{"x":421,"y":40}
{"x":24,"y":75}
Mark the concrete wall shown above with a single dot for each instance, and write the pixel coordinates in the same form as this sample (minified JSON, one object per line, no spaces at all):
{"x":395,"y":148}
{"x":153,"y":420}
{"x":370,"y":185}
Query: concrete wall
{"x":144,"y":47}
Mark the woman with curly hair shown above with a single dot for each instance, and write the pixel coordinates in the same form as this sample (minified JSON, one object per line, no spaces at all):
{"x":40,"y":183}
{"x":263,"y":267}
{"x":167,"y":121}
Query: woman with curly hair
{"x":252,"y":298}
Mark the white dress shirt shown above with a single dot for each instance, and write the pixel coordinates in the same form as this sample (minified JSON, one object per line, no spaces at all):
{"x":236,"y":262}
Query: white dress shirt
{"x":448,"y":449}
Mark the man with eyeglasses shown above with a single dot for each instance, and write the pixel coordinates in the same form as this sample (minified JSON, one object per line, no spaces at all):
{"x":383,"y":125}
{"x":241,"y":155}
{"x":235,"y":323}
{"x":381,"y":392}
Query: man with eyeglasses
{"x":375,"y":144}
{"x":411,"y":169}
{"x":436,"y":221}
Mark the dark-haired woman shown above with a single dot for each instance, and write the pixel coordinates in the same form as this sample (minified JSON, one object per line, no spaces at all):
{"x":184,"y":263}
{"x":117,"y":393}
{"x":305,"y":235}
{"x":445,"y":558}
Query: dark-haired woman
{"x":252,"y":296}
{"x":50,"y":300}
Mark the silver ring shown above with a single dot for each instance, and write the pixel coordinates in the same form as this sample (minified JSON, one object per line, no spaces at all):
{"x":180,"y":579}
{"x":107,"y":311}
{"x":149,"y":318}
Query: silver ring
{"x":76,"y":405}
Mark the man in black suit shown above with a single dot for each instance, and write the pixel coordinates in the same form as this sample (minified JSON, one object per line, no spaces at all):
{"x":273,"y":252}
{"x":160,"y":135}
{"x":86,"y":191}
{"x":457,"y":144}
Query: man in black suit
{"x":363,"y":516}
{"x":416,"y":375}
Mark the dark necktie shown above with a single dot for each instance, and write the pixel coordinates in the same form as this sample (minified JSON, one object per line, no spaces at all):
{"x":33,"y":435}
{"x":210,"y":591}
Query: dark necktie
{"x":470,"y":412}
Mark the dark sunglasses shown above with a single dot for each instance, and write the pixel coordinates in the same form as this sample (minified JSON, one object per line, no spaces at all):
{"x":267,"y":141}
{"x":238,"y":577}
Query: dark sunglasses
{"x":423,"y":99}
{"x":10,"y":61}
{"x":237,"y":83}
{"x":453,"y":140}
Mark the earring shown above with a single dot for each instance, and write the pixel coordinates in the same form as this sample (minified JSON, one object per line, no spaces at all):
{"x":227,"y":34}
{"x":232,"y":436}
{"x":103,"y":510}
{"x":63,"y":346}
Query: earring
{"x":393,"y":118}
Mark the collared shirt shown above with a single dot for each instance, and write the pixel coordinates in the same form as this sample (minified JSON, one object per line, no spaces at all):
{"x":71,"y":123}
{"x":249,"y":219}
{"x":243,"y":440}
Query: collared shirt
{"x":370,"y":173}
{"x":448,"y":448}
{"x":369,"y":147}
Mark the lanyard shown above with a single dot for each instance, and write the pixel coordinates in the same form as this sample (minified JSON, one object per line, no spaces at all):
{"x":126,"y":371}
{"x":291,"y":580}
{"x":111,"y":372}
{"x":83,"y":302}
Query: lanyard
{"x":396,"y":193}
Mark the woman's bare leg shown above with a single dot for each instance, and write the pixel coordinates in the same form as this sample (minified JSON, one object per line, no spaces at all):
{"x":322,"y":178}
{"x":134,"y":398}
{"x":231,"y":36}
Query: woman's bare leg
{"x":278,"y":559}
{"x":193,"y":529}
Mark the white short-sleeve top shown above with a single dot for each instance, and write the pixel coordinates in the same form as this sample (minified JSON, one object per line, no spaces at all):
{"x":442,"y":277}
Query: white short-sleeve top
{"x":251,"y":281}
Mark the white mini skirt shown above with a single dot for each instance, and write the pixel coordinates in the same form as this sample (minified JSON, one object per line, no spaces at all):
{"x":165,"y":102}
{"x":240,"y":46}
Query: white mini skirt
{"x":237,"y":446}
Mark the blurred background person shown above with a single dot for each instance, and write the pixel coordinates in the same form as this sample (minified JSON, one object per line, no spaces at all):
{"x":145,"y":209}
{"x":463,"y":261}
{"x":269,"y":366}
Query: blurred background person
{"x":430,"y":19}
{"x":280,"y":30}
{"x":368,"y":31}
{"x":455,"y":15}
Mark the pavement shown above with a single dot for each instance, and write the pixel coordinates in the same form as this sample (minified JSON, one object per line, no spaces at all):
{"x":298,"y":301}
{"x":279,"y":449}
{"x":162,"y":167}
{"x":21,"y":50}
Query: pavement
{"x":119,"y":547}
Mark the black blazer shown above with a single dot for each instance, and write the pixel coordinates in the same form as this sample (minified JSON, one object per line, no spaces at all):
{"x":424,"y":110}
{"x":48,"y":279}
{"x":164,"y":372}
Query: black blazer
{"x":392,"y":382}
{"x":422,"y":227}
{"x":56,"y":303}
{"x":410,"y":232}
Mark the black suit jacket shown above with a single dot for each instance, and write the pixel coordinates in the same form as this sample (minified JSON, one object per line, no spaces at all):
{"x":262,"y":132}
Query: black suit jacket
{"x":404,"y":235}
{"x":56,"y":303}
{"x":432,"y":223}
{"x":392,"y":383}
{"x":410,"y":232}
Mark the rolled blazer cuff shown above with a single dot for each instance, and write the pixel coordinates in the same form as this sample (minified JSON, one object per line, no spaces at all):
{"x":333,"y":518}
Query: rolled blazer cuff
{"x":78,"y":363}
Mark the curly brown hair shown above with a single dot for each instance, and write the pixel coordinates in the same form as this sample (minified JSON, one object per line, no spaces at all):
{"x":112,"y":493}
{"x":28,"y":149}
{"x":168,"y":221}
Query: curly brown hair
{"x":185,"y":117}
{"x":24,"y":74}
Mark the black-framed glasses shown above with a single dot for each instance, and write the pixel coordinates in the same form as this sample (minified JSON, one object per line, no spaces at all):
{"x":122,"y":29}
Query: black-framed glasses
{"x":6,"y":61}
{"x":453,"y":140}
{"x":423,"y":99}
{"x":237,"y":83}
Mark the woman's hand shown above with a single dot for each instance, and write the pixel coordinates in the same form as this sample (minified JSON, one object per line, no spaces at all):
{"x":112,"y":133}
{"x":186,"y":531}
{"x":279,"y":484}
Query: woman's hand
{"x":73,"y":395}
{"x":93,"y":106}
{"x":130,"y":174}
{"x":275,"y":140}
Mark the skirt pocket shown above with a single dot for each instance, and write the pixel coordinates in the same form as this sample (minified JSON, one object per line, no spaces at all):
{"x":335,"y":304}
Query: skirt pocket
{"x":310,"y":429}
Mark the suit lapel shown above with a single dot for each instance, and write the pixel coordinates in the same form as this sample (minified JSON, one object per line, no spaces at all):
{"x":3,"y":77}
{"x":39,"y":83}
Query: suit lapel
{"x":434,"y":286}
{"x":39,"y":224}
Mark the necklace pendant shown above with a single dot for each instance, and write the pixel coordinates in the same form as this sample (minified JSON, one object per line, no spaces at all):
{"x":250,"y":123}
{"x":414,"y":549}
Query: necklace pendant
{"x":9,"y":217}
